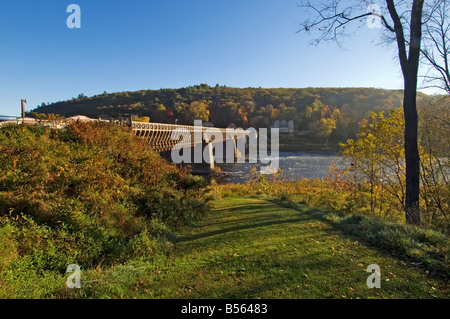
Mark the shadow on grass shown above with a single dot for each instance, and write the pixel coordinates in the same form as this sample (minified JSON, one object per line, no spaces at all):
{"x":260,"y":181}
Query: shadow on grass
{"x":278,"y":283}
{"x":239,"y":208}
{"x":183,"y":239}
{"x":223,"y":222}
{"x":419,"y":247}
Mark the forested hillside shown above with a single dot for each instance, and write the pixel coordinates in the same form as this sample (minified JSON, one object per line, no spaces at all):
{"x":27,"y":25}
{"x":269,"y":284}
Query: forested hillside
{"x":324,"y":112}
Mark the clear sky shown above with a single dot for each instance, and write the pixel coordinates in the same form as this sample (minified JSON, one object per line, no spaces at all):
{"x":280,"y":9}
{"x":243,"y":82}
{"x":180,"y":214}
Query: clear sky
{"x":151,"y":44}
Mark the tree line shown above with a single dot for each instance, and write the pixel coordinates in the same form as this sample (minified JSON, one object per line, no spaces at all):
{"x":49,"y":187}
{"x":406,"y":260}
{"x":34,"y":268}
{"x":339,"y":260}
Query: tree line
{"x":325,"y":112}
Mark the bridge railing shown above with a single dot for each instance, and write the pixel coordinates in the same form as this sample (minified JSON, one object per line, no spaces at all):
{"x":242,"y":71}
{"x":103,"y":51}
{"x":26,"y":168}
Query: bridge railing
{"x":165,"y":137}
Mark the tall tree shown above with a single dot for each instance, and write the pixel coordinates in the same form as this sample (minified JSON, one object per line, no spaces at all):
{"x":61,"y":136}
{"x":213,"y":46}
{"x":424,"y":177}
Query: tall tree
{"x":403,"y":22}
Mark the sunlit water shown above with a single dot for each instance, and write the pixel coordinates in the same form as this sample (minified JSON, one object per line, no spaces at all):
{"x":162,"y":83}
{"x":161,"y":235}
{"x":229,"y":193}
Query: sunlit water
{"x":293,"y":164}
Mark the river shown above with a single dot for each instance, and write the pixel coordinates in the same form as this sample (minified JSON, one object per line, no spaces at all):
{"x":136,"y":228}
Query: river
{"x":294,"y":165}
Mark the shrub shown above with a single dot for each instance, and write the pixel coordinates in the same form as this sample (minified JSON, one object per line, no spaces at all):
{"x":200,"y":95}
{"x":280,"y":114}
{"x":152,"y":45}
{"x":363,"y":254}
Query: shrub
{"x":90,"y":194}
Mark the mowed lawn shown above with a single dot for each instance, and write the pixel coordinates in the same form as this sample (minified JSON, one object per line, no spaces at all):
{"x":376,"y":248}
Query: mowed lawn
{"x":254,"y":248}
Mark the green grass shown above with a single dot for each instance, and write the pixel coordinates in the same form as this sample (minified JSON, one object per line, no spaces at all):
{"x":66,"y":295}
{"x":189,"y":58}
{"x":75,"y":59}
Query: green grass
{"x":255,"y":248}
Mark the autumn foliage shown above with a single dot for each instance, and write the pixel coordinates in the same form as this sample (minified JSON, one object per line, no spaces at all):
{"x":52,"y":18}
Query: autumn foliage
{"x":89,"y":194}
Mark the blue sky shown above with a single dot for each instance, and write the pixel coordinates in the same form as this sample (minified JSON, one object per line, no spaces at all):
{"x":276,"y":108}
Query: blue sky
{"x":151,"y":44}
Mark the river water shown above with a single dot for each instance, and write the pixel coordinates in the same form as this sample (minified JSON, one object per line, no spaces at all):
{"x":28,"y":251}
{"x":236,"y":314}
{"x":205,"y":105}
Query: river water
{"x":294,"y":165}
{"x":7,"y":118}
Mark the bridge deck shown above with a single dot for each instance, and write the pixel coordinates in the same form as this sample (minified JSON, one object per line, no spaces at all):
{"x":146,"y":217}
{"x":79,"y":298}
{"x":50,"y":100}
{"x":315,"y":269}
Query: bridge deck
{"x":165,"y":137}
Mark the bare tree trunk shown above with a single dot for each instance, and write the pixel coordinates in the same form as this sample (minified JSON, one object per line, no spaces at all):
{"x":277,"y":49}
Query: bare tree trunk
{"x":412,"y":210}
{"x":409,"y":62}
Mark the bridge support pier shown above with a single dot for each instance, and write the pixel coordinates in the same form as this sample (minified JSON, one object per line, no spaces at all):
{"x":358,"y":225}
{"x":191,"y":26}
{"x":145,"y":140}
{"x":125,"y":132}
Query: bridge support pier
{"x":207,"y":165}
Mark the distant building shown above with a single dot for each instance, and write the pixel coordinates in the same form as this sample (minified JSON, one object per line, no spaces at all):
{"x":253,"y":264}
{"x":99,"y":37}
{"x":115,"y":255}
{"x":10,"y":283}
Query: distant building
{"x":26,"y":120}
{"x":284,"y":126}
{"x":80,"y":118}
{"x":291,"y":126}
{"x":18,"y":120}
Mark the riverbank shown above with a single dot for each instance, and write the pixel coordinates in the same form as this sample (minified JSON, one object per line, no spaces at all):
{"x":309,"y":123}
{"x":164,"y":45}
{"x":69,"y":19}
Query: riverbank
{"x":294,"y":143}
